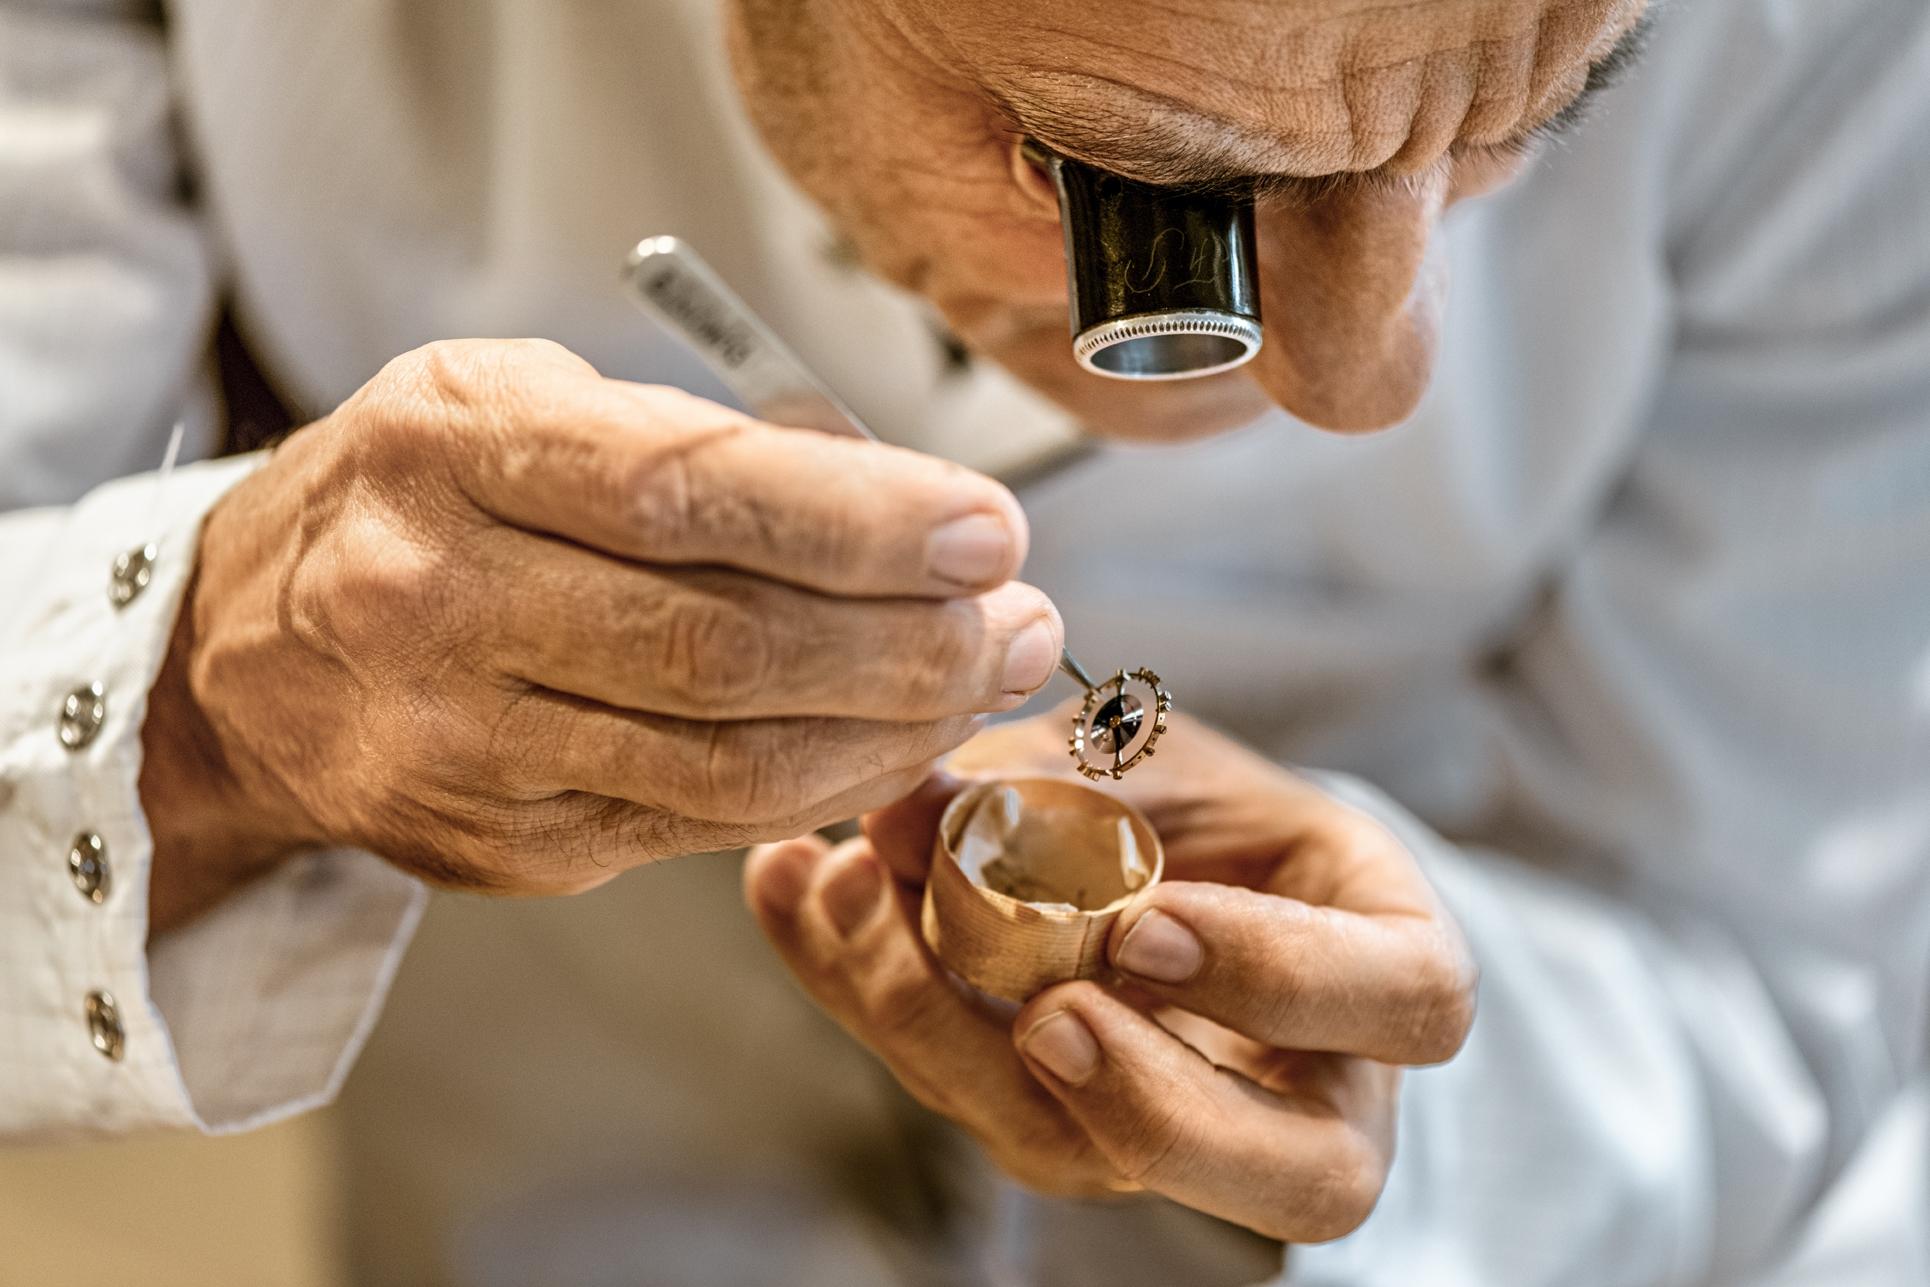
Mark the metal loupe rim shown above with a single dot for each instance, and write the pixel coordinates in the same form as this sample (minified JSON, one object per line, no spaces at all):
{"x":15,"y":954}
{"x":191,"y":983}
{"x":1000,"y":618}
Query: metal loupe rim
{"x":1180,"y":321}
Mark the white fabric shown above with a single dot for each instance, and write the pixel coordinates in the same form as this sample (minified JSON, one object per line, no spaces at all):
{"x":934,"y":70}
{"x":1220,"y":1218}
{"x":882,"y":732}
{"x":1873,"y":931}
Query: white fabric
{"x":246,"y":1015}
{"x":1641,"y":597}
{"x":107,"y":288}
{"x":1631,"y":619}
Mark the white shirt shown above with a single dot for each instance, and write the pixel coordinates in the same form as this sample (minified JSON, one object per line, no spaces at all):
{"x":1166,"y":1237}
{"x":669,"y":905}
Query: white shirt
{"x":1632,"y":620}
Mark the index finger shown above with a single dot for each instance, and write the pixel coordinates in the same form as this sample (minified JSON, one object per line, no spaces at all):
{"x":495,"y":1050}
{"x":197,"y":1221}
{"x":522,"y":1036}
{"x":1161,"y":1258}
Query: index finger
{"x":1395,"y":988}
{"x":657,"y":475}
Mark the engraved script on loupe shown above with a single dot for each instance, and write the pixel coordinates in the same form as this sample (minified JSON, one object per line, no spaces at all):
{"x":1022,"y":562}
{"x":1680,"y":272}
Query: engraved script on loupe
{"x":1203,"y":259}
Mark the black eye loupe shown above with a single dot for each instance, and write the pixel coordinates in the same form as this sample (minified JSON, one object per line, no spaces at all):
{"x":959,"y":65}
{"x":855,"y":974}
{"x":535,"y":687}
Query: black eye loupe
{"x":1163,"y":282}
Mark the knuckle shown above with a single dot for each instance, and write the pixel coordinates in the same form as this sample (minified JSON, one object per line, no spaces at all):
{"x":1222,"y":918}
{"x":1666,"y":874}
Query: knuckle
{"x":393,"y":435}
{"x":727,"y":780}
{"x":464,"y":372}
{"x":665,"y":505}
{"x":1353,"y":834}
{"x":524,"y":743}
{"x":469,"y":388}
{"x":932,"y":658}
{"x":1152,"y":1141}
{"x":408,"y":436}
{"x":447,"y":372}
{"x":407,"y":585}
{"x":744,"y":786}
{"x":697,"y":486}
{"x":900,"y":1007}
{"x":712,"y":652}
{"x":534,"y":350}
{"x":376,"y":590}
{"x":673,"y":504}
{"x":1447,"y":983}
{"x":1338,"y":1200}
{"x":309,"y":612}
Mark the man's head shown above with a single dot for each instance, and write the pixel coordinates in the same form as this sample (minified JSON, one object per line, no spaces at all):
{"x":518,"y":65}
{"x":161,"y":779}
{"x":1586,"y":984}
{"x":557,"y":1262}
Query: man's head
{"x":1356,"y":122}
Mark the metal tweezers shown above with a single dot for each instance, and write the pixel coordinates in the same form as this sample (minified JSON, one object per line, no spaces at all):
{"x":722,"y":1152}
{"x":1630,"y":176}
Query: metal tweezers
{"x":674,"y":285}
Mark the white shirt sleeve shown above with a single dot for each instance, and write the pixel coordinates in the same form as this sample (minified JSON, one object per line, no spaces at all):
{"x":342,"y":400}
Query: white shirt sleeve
{"x":1625,"y":1091}
{"x":250,"y":1013}
{"x":1702,"y":1021}
{"x":107,"y":277}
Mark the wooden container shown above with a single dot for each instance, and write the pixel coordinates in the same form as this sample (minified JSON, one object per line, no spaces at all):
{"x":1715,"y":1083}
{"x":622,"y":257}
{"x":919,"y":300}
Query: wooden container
{"x":1028,"y":876}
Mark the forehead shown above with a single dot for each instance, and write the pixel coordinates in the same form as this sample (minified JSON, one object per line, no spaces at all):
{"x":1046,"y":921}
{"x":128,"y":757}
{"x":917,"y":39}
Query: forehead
{"x":1307,"y":87}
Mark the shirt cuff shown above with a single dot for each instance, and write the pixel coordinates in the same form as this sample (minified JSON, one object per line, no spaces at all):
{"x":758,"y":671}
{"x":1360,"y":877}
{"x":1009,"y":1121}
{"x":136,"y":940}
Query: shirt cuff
{"x":251,"y":1013}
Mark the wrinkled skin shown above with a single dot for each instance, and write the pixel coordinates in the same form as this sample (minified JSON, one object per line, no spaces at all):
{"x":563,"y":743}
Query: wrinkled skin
{"x":1362,"y":121}
{"x":518,"y":628}
{"x":1252,"y":1075}
{"x":1262,"y":1085}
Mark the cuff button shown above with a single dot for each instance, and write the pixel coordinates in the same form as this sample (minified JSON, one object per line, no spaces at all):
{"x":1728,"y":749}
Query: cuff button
{"x":104,"y":1025}
{"x":82,"y":715}
{"x":87,"y":864}
{"x":133,"y":570}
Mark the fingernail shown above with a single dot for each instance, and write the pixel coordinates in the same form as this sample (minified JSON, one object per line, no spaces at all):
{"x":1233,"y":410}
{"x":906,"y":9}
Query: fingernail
{"x":1160,"y":948}
{"x":972,"y":550}
{"x":1062,"y":1042}
{"x":1029,"y":660}
{"x":850,"y":894}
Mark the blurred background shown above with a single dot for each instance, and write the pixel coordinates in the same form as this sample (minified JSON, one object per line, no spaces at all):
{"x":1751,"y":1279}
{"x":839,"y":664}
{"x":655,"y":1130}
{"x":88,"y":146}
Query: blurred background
{"x":626,"y":1087}
{"x":553,"y":1096}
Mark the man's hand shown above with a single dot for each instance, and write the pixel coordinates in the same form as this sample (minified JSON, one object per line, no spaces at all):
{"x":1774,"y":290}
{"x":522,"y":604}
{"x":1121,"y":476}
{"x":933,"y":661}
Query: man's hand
{"x":518,"y":627}
{"x":1246,"y":1064}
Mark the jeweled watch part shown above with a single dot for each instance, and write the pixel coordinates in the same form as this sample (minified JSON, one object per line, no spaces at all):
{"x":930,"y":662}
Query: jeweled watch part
{"x":1112,"y":731}
{"x":1163,"y":283}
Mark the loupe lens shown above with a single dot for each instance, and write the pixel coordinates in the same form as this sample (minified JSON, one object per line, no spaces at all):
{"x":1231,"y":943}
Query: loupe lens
{"x":1163,"y":282}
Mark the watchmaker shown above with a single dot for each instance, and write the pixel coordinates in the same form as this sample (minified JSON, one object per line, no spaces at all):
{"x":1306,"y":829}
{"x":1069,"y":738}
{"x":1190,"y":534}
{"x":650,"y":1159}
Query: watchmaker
{"x":1610,"y":651}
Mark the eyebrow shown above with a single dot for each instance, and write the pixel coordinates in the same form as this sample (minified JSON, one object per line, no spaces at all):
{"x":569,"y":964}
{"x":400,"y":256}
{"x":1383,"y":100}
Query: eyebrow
{"x":1184,"y":156}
